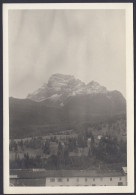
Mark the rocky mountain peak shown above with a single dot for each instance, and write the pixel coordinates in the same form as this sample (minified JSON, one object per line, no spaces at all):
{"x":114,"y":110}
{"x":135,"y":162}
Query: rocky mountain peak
{"x":65,"y":85}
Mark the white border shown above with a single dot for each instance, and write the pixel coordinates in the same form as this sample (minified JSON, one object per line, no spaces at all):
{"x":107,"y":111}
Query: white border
{"x":129,"y":97}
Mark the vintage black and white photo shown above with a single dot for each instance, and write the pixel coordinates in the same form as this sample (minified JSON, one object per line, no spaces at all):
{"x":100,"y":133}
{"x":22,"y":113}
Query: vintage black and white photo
{"x":69,"y":121}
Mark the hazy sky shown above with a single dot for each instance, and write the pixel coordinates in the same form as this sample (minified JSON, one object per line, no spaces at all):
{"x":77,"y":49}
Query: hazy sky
{"x":89,"y":44}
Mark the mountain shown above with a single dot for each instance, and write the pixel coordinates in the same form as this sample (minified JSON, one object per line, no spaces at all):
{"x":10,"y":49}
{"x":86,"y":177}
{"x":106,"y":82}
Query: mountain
{"x":63,"y":103}
{"x":60,"y":87}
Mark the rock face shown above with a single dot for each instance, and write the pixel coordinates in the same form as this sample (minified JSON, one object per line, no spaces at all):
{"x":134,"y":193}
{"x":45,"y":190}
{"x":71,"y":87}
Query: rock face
{"x":58,"y":81}
{"x":94,"y":87}
{"x":60,"y":87}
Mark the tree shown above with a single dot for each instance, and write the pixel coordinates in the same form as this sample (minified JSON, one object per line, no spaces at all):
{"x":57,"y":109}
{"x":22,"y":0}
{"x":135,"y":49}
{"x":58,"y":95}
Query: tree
{"x":89,"y":152}
{"x":21,"y":145}
{"x":46,"y":148}
{"x":26,"y":160}
{"x":60,"y":149}
{"x":15,"y":147}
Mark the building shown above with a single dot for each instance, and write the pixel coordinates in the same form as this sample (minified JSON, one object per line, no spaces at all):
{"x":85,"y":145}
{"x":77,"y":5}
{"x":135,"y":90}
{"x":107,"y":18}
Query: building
{"x":85,"y":178}
{"x":68,"y":178}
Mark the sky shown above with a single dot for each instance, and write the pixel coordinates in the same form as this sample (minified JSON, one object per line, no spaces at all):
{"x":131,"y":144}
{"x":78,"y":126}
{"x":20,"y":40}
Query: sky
{"x":89,"y":44}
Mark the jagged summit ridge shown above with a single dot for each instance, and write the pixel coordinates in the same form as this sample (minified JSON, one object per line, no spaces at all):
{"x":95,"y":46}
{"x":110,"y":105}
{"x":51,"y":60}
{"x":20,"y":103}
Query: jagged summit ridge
{"x":59,"y":80}
{"x":60,"y":86}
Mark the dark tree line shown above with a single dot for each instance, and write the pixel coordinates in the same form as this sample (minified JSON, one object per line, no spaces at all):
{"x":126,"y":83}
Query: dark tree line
{"x":110,"y":150}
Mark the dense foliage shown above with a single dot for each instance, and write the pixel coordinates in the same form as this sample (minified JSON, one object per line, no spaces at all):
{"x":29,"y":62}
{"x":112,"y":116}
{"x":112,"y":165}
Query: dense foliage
{"x":108,"y":149}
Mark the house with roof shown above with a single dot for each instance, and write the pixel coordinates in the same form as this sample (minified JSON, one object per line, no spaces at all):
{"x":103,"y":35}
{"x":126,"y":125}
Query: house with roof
{"x":85,"y":178}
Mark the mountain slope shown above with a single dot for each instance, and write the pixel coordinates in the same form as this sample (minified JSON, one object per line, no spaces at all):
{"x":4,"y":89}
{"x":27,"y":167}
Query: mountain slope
{"x":29,"y":118}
